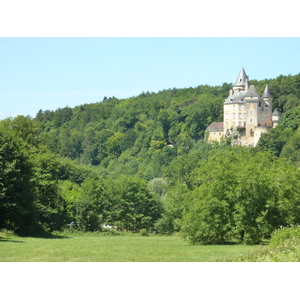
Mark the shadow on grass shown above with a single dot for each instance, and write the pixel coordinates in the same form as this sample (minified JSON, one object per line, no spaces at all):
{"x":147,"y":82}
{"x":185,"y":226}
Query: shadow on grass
{"x":44,"y":235}
{"x":8,"y":240}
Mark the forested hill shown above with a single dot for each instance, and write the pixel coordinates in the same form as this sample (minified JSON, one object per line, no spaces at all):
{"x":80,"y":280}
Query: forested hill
{"x":133,"y":128}
{"x":129,"y":133}
{"x":135,"y":163}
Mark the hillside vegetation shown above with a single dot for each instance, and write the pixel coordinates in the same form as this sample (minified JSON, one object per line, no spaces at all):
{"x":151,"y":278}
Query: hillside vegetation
{"x":143,"y":163}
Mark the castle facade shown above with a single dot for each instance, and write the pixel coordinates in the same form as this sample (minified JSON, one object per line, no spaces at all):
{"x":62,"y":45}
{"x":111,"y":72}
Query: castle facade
{"x":246,"y":114}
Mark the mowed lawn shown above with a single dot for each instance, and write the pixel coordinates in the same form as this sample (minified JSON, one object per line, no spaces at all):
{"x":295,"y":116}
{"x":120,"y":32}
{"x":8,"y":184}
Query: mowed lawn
{"x":85,"y":248}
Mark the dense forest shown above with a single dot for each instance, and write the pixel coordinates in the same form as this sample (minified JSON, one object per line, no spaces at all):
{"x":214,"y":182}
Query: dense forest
{"x":143,"y":163}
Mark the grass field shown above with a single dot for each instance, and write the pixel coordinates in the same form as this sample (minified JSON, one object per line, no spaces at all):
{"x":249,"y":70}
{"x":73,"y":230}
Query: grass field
{"x":96,"y":248}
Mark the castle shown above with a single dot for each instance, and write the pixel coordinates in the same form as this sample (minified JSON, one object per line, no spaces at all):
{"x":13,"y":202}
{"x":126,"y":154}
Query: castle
{"x":246,"y":114}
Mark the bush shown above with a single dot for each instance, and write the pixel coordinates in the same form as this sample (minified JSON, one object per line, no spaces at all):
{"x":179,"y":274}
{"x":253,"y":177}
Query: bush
{"x":4,"y":233}
{"x":164,"y":225}
{"x":284,"y":246}
{"x":281,"y":235}
{"x":143,"y":232}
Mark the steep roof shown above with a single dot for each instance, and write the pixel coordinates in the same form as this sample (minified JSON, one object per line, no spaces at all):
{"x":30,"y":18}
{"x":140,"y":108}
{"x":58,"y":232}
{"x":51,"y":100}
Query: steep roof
{"x":242,"y":78}
{"x":215,"y":126}
{"x":276,"y":112}
{"x":252,"y":92}
{"x":267,"y":93}
{"x":236,"y":97}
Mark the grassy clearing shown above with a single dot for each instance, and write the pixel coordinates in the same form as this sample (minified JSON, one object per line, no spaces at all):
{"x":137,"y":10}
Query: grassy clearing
{"x":96,"y":248}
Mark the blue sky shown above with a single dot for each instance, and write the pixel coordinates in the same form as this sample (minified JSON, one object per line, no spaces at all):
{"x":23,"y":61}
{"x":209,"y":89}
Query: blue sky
{"x":48,"y":73}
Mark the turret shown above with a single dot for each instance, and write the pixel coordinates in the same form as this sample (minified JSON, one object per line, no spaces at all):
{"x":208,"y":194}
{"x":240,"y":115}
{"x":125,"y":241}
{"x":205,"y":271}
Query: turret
{"x":242,"y":81}
{"x":276,"y":117}
{"x":267,"y":97}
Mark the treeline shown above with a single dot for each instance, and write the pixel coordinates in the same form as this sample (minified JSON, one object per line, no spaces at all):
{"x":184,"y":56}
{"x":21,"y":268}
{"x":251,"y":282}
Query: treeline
{"x":143,"y":163}
{"x":41,"y":191}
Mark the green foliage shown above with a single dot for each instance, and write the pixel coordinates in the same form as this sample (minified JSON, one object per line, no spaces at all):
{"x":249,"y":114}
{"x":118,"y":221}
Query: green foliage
{"x":22,"y":128}
{"x":132,"y":207}
{"x":284,"y":246}
{"x":240,"y":196}
{"x":144,"y":232}
{"x":16,"y":205}
{"x":283,"y":140}
{"x":284,"y":234}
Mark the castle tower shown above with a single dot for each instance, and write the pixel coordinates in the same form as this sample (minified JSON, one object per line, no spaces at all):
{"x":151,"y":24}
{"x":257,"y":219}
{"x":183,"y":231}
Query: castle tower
{"x":235,"y":105}
{"x":242,"y":82}
{"x":267,"y":109}
{"x":252,"y":105}
{"x":267,"y":96}
{"x":246,"y":114}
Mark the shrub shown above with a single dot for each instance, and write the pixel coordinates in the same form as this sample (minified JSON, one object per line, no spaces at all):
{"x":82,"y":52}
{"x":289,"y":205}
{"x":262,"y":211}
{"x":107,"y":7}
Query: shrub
{"x":143,"y":232}
{"x":4,"y":233}
{"x":283,"y":234}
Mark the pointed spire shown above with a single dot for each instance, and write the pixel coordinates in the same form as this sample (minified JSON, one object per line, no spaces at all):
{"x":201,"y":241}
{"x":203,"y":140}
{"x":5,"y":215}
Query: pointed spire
{"x":242,"y":78}
{"x":267,"y":93}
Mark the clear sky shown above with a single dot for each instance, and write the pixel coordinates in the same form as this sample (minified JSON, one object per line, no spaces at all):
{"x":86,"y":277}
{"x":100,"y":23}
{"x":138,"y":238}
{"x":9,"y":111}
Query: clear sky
{"x":48,"y":73}
{"x":64,"y":52}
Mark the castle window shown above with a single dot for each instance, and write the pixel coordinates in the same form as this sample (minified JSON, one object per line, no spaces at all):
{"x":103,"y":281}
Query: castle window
{"x":234,"y":115}
{"x":240,"y":116}
{"x":244,"y":107}
{"x":240,"y":123}
{"x":226,"y":124}
{"x":233,"y":123}
{"x":250,"y":112}
{"x":250,"y":121}
{"x":244,"y":116}
{"x":233,"y":107}
{"x":240,"y":107}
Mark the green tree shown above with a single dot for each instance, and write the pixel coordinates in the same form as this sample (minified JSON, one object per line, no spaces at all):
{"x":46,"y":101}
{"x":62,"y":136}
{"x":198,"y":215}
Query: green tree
{"x":132,"y":206}
{"x":16,"y":195}
{"x":240,"y":195}
{"x":23,"y":127}
{"x":48,"y":202}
